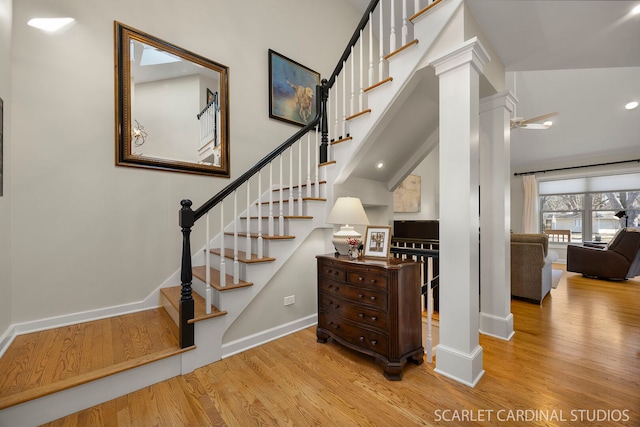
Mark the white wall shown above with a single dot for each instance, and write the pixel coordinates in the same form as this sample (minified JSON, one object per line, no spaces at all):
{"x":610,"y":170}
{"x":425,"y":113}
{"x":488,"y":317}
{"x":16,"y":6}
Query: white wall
{"x":88,"y":234}
{"x":5,"y":200}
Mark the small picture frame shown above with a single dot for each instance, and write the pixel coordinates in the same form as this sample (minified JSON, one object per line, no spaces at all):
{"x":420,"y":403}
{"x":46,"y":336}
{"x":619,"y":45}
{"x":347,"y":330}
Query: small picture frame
{"x":377,"y":241}
{"x":292,"y":90}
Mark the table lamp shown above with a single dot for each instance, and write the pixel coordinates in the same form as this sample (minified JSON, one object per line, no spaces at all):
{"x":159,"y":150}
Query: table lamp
{"x":347,"y":211}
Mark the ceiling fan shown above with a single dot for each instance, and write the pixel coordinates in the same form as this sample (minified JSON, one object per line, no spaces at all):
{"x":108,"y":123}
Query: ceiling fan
{"x":522,"y":123}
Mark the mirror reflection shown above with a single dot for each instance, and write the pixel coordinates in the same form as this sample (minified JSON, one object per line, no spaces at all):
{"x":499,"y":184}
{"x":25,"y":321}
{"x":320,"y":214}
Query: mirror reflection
{"x":172,"y":106}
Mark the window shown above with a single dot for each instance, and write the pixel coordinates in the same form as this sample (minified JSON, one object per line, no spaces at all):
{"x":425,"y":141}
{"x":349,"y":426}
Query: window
{"x":590,"y":208}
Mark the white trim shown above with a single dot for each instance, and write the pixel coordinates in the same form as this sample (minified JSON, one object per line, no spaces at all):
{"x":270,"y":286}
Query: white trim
{"x":462,"y":367}
{"x":255,"y":340}
{"x":497,"y":327}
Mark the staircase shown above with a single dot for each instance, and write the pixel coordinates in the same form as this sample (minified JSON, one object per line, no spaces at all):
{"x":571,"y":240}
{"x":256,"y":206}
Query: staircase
{"x":276,"y":216}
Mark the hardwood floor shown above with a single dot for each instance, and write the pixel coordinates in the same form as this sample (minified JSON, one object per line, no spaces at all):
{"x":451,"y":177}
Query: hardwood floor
{"x":573,"y":359}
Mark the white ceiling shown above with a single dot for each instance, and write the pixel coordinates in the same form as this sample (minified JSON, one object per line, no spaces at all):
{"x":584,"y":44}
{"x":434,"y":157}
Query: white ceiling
{"x":580,"y":58}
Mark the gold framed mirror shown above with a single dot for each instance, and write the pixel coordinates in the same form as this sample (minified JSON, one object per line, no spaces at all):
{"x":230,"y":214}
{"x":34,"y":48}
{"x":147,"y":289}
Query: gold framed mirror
{"x":172,"y":106}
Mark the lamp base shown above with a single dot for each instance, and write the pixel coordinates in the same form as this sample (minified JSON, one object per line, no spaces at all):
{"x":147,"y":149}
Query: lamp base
{"x":340,"y":239}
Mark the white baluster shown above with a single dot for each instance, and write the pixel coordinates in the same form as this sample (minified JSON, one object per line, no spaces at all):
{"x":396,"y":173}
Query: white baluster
{"x":260,"y":249}
{"x":223,"y":270}
{"x":316,"y":164}
{"x":336,"y":130}
{"x":281,"y":217}
{"x":236,"y":264}
{"x":344,"y":100}
{"x":381,"y":45}
{"x":299,"y":177}
{"x":429,"y":343}
{"x":361,"y":60}
{"x":309,"y":164}
{"x":207,"y":267}
{"x":392,"y":34}
{"x":353,"y":84}
{"x":416,"y":6}
{"x":371,"y":72}
{"x":247,"y":254}
{"x":405,"y":26}
{"x":270,"y":220}
{"x":291,"y":181}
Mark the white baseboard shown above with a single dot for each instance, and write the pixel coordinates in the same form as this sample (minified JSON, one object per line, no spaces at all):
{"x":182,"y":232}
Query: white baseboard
{"x":243,"y":344}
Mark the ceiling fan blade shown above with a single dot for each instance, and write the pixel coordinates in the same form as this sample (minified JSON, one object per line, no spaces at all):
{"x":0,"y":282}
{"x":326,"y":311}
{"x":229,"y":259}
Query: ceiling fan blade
{"x":534,"y":126}
{"x":540,"y":118}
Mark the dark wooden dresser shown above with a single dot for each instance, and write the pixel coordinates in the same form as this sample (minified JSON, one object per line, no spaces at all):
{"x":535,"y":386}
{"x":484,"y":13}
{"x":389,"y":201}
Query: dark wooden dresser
{"x":372,"y":306}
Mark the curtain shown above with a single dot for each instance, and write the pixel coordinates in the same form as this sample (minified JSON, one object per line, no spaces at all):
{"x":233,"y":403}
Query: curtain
{"x":530,"y":208}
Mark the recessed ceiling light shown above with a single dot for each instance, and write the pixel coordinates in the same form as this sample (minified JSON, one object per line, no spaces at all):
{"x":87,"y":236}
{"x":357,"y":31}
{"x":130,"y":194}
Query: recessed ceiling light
{"x":631,"y":105}
{"x":379,"y":165}
{"x":50,"y":25}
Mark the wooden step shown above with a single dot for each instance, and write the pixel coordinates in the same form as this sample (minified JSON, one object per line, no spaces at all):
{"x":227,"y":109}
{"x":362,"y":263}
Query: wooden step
{"x":46,"y":362}
{"x":264,"y":237}
{"x":297,"y":186}
{"x":173,"y":295}
{"x":348,"y":138}
{"x":284,"y":216}
{"x":380,"y":83}
{"x":397,"y":51}
{"x":361,"y":113}
{"x":295,"y":199}
{"x":242,"y":256}
{"x":424,"y":10}
{"x":200,"y":270}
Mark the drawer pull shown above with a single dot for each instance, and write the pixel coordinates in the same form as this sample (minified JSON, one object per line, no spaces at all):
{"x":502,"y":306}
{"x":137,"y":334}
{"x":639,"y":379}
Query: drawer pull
{"x":374,"y":318}
{"x":361,"y":338}
{"x":374,"y":342}
{"x":361,"y":315}
{"x":329,"y":286}
{"x":361,"y":279}
{"x":373,"y":281}
{"x":330,"y":303}
{"x":373,"y":298}
{"x":336,"y":326}
{"x":360,"y":296}
{"x":337,"y":288}
{"x":329,"y":271}
{"x":337,"y":305}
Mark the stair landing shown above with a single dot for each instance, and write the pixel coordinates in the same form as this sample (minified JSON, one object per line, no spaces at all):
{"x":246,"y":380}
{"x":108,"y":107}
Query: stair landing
{"x":42,"y":363}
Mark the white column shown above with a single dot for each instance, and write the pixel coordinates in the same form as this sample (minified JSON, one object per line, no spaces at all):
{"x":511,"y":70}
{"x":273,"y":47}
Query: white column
{"x":459,"y":354}
{"x":495,"y":221}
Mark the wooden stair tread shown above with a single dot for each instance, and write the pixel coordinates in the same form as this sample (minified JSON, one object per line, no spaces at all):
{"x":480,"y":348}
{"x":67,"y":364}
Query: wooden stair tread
{"x":424,"y":10}
{"x":264,"y":237}
{"x":285,"y":217}
{"x":173,"y":295}
{"x":297,"y":186}
{"x":304,"y":199}
{"x":27,"y":364}
{"x":199,"y":272}
{"x":380,"y":83}
{"x":242,"y":256}
{"x":361,"y":113}
{"x":348,"y":138}
{"x":397,"y":51}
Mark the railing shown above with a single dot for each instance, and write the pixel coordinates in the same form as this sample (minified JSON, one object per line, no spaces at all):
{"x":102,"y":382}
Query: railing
{"x":424,"y":251}
{"x":383,"y":30}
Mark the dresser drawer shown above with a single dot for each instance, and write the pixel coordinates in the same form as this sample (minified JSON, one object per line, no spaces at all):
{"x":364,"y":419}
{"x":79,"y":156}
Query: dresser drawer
{"x":364,"y":338}
{"x":354,"y":294}
{"x":367,"y":278}
{"x":330,"y":270}
{"x":355,"y":313}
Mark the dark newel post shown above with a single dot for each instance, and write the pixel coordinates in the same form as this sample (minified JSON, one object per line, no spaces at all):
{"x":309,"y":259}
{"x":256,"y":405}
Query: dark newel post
{"x":324,"y":128}
{"x":187,"y":219}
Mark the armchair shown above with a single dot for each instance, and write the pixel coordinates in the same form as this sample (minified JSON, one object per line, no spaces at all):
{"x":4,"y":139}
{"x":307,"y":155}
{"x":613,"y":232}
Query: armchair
{"x":531,"y":266}
{"x":619,"y":260}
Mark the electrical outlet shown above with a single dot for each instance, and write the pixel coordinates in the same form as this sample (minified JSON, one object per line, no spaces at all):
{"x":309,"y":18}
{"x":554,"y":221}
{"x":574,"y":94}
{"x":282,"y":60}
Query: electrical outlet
{"x":289,"y":300}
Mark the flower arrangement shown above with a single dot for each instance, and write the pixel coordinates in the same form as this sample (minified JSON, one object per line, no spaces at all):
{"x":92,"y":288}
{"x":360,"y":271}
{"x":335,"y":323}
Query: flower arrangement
{"x":353,"y":242}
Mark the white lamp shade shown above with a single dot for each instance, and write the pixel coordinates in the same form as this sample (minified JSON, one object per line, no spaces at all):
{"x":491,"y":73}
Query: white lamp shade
{"x":347,"y":210}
